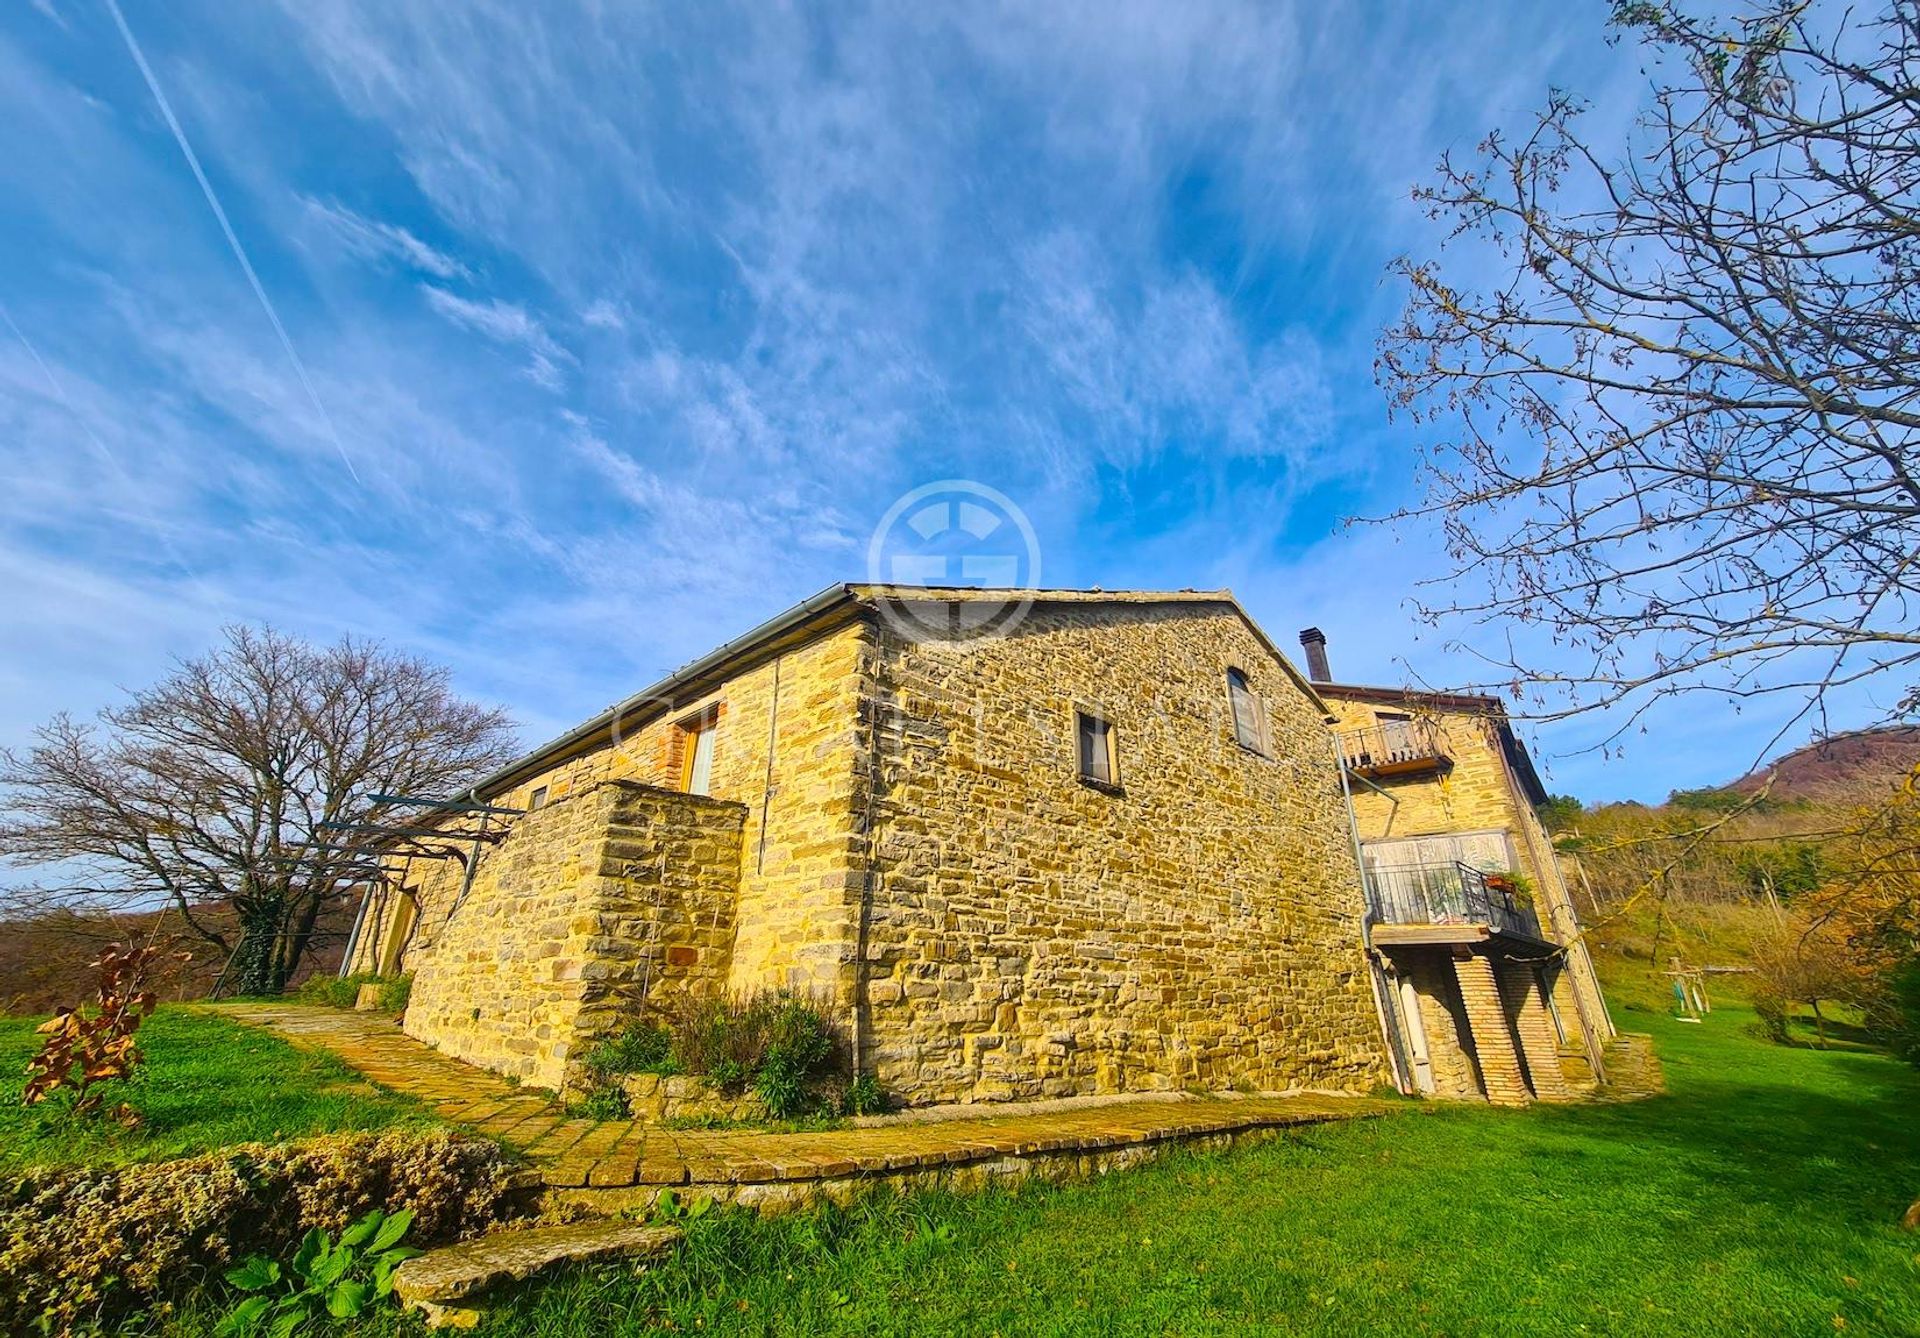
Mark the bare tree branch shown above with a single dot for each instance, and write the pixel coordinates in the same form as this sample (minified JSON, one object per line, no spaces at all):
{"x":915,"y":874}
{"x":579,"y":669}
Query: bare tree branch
{"x":1678,"y":433}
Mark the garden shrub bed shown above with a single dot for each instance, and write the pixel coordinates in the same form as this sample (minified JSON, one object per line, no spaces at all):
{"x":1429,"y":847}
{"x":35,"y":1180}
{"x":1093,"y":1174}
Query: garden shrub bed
{"x":96,"y":1248}
{"x":770,"y":1054}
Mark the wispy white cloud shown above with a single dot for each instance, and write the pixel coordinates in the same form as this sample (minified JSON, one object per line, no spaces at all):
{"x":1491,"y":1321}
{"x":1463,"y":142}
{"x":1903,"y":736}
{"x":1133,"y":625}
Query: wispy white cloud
{"x":370,"y":239}
{"x":602,"y":314}
{"x":1166,"y":365}
{"x":759,"y":271}
{"x":226,"y":229}
{"x":510,"y":324}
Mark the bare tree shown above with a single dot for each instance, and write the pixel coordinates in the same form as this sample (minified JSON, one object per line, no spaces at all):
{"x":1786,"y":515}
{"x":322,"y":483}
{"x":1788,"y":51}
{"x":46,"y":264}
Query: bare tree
{"x":1676,"y":429}
{"x":208,"y":791}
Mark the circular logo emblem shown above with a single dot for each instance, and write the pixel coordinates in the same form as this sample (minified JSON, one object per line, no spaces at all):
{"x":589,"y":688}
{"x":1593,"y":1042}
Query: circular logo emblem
{"x":943,"y":539}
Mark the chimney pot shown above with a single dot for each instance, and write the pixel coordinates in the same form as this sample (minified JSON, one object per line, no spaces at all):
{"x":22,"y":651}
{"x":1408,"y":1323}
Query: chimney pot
{"x":1314,"y":642}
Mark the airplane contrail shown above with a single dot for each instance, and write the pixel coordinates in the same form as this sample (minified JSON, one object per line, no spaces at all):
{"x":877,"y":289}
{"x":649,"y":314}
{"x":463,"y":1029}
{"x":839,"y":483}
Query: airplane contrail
{"x":233,"y":239}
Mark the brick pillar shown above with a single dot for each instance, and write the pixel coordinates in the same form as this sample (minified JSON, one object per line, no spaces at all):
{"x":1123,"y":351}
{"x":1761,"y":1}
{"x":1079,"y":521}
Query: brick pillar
{"x":1527,"y":1010}
{"x":1492,"y":1039}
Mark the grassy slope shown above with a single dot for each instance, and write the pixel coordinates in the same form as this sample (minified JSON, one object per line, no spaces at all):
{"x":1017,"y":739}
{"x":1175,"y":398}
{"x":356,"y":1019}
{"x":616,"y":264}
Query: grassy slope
{"x":209,"y":1082}
{"x":1760,"y":1196}
{"x":1710,"y":935}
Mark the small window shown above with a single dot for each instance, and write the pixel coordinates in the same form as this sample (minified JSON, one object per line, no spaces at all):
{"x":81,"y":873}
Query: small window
{"x":538,"y":799}
{"x":697,"y":748}
{"x":1099,"y":760}
{"x":1249,"y":720}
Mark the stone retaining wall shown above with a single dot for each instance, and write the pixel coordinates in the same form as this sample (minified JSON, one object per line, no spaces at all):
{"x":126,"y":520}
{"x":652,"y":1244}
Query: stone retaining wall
{"x":957,"y":1175}
{"x":616,"y":894}
{"x":683,"y":1097}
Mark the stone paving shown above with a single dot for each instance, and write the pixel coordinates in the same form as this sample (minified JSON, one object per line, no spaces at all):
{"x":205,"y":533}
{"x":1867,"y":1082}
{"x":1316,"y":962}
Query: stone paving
{"x":622,"y":1154}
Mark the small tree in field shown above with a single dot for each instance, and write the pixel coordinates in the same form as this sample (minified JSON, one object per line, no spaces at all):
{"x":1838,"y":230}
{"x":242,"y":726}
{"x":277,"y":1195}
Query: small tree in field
{"x":1808,"y":968}
{"x":213,"y":787}
{"x":1672,"y":383}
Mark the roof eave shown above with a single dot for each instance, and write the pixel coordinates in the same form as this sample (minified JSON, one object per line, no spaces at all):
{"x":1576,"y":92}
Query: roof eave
{"x":664,"y":693}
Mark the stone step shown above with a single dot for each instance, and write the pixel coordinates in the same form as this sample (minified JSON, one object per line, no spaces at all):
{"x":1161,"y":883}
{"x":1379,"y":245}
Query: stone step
{"x":447,"y":1285}
{"x":1633,"y":1069}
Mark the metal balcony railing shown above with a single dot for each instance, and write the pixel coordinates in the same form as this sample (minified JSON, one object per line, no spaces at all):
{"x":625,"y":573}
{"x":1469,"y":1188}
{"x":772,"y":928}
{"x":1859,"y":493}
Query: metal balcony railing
{"x":1445,"y":894}
{"x":1393,"y":746}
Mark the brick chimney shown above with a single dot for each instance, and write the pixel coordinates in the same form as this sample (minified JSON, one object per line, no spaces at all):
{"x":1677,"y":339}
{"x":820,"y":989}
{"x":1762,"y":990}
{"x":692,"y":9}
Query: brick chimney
{"x":1314,"y":642}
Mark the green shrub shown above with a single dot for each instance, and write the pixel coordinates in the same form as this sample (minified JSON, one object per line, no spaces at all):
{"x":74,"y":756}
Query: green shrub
{"x":797,"y":1051}
{"x":639,"y":1049}
{"x":723,"y":1035}
{"x":864,"y":1096}
{"x":396,"y":993}
{"x":1894,"y":1018}
{"x":1771,"y":1010}
{"x":330,"y":991}
{"x":730,"y":1076}
{"x":773,"y":1041}
{"x":84,"y":1248}
{"x":605,"y":1100}
{"x":344,"y":991}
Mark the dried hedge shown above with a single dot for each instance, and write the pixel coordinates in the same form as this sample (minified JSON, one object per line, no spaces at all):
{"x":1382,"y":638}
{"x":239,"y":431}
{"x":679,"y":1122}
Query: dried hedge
{"x":84,"y":1248}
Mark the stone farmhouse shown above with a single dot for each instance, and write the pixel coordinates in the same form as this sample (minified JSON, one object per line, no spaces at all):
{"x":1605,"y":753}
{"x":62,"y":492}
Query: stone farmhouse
{"x":1120,"y":845}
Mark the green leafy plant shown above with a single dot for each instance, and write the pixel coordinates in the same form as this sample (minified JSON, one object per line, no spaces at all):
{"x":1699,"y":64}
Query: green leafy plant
{"x":723,"y":1034}
{"x":670,"y":1207}
{"x":1512,"y":882}
{"x":729,"y":1076}
{"x":775,"y":1042}
{"x":797,"y":1050}
{"x":644,"y":1048}
{"x":603,"y":1101}
{"x":864,"y":1096}
{"x":340,"y":1277}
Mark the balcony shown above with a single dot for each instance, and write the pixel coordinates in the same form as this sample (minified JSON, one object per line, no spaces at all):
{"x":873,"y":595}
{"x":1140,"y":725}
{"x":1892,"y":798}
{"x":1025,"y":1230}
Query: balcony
{"x":1446,"y":894}
{"x":1394,"y":748}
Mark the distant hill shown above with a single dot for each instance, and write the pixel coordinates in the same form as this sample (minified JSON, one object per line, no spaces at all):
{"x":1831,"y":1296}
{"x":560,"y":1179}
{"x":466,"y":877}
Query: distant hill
{"x":1865,"y":764}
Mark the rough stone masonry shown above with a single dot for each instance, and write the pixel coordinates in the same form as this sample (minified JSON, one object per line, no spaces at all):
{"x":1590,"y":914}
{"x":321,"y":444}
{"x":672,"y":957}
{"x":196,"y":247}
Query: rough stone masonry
{"x":903,"y":830}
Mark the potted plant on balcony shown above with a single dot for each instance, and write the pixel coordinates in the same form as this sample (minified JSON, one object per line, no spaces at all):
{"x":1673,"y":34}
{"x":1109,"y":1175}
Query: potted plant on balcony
{"x":1515,"y":886}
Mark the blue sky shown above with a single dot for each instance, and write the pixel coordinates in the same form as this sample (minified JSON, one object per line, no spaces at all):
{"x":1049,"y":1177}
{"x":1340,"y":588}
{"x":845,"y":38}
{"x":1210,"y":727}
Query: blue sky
{"x":611,"y":332}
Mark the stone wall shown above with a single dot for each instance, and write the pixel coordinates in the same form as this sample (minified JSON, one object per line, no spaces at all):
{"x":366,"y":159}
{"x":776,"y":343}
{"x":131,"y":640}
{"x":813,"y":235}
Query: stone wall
{"x":612,"y":894}
{"x":1030,"y":935}
{"x":786,"y":748}
{"x":1021,"y":934}
{"x":1476,"y":793}
{"x":786,"y":753}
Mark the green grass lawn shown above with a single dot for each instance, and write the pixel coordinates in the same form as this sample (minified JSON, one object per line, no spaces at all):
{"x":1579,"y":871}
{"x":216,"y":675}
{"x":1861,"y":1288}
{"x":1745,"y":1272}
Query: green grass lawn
{"x":1760,"y":1197}
{"x":208,"y":1082}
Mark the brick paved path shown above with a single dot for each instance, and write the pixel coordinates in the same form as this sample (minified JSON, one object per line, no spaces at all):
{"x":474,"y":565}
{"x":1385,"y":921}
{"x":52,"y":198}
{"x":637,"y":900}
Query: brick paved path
{"x":573,"y":1153}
